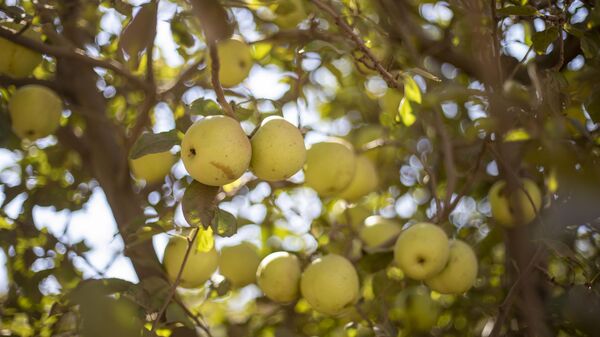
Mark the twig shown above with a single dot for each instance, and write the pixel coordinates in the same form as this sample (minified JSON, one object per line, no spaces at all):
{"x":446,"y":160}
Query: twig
{"x":391,"y":81}
{"x":518,"y":65}
{"x":214,"y":77}
{"x":74,"y":54}
{"x":177,"y":279}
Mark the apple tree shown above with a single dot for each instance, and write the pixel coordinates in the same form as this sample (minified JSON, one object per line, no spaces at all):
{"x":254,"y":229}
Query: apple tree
{"x":404,"y":168}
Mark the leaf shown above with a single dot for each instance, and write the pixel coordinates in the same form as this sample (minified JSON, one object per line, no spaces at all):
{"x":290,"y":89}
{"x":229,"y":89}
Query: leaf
{"x":199,"y":204}
{"x":149,"y":143}
{"x":205,"y":241}
{"x":139,"y":33}
{"x":411,"y":90}
{"x":205,"y":107}
{"x":541,"y":40}
{"x":224,"y":223}
{"x":517,"y":135}
{"x":213,"y":18}
{"x":517,"y":10}
{"x":405,"y":113}
{"x":98,"y":287}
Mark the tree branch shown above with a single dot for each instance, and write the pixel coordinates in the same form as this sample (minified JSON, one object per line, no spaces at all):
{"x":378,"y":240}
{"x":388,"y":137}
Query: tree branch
{"x":214,"y":77}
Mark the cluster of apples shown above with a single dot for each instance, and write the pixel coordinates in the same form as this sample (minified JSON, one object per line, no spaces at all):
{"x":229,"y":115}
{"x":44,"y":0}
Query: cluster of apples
{"x":330,"y":283}
{"x":35,"y":110}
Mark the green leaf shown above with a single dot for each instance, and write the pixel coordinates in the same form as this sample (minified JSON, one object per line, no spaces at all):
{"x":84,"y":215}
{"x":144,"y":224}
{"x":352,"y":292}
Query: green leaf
{"x":224,"y":223}
{"x":205,"y":241}
{"x":140,"y":31}
{"x":175,"y":314}
{"x":405,"y":113}
{"x":205,"y":107}
{"x":411,"y":90}
{"x":517,"y":10}
{"x":541,"y":40}
{"x":199,"y":204}
{"x":149,"y":143}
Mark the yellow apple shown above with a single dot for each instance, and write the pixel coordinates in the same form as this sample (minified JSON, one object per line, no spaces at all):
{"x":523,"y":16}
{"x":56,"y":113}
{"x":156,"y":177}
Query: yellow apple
{"x":329,"y":166}
{"x":415,"y":309}
{"x":198,"y":268}
{"x":378,"y":231}
{"x":152,"y":167}
{"x":216,"y":151}
{"x":460,"y":272}
{"x":35,"y":111}
{"x":330,"y":284}
{"x":515,"y":209}
{"x":238,"y":264}
{"x":278,"y":276}
{"x":235,"y":61}
{"x":15,"y":60}
{"x":289,"y":13}
{"x":278,"y":150}
{"x":421,"y":251}
{"x":365,"y":180}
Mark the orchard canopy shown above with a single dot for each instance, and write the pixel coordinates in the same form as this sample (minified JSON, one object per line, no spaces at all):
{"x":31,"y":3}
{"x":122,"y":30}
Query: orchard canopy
{"x":262,"y":168}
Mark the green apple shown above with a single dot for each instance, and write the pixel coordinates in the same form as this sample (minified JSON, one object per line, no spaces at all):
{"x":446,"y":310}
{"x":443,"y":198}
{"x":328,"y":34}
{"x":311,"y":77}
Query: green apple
{"x":278,"y":150}
{"x":152,"y":167}
{"x":289,"y":13}
{"x":330,"y":284}
{"x":421,"y":251}
{"x":238,"y":263}
{"x":216,"y":151}
{"x":235,"y":61}
{"x":460,"y":272}
{"x":35,"y":111}
{"x":198,"y":268}
{"x":16,"y":60}
{"x":330,"y":166}
{"x":378,"y":231}
{"x":278,"y":276}
{"x":365,"y":180}
{"x":515,"y":209}
{"x":415,"y":309}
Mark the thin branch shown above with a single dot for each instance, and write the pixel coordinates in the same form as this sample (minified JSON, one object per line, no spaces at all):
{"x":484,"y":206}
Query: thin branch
{"x":75,"y":54}
{"x":391,"y":81}
{"x":214,"y":76}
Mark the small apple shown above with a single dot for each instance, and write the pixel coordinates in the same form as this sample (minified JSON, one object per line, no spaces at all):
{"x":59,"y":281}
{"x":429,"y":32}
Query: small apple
{"x":215,"y":150}
{"x":278,"y":276}
{"x":289,"y":13}
{"x":152,"y":167}
{"x":415,"y":309}
{"x":35,"y":111}
{"x":198,"y":268}
{"x":238,"y":264}
{"x":365,"y":180}
{"x":278,"y":150}
{"x":330,"y":284}
{"x":515,"y":209}
{"x":235,"y":61}
{"x":421,"y":251}
{"x":460,"y":272}
{"x":329,"y":166}
{"x":378,"y":231}
{"x":16,"y":60}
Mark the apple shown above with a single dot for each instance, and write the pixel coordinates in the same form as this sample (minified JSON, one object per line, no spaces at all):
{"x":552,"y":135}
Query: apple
{"x":415,"y":309}
{"x":330,"y":166}
{"x":152,"y":167}
{"x":238,"y":263}
{"x":278,"y":276}
{"x":330,"y":284}
{"x":216,"y":151}
{"x":378,"y":230}
{"x":16,"y":60}
{"x":235,"y":61}
{"x":421,"y":251}
{"x":365,"y":180}
{"x":289,"y":13}
{"x":35,"y":111}
{"x":514,"y":209}
{"x":278,"y":150}
{"x":460,"y":272}
{"x":198,"y":268}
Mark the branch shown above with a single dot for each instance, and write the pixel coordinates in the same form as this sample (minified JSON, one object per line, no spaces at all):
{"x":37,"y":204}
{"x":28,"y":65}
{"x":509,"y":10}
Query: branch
{"x":5,"y":81}
{"x":75,"y":54}
{"x":391,"y":81}
{"x":214,"y":77}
